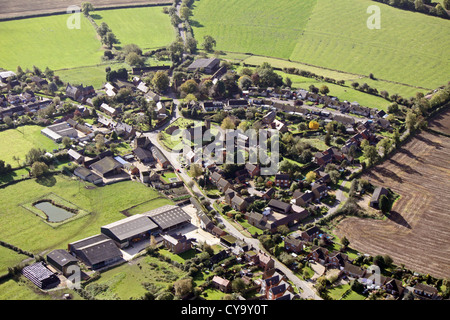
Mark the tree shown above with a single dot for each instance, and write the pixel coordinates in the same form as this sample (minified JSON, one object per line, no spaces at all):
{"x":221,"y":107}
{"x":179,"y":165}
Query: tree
{"x":440,"y":11}
{"x":227,"y":123}
{"x":371,"y":153}
{"x":324,"y":90}
{"x":238,"y":285}
{"x":385,"y":205}
{"x":190,"y":86}
{"x":313,"y":125}
{"x":411,"y":120}
{"x":66,"y":141}
{"x":8,"y":121}
{"x":209,"y":43}
{"x":5,"y":168}
{"x":99,"y":142}
{"x":191,"y":44}
{"x":86,"y":7}
{"x":183,"y":287}
{"x":133,"y":59}
{"x":33,"y":155}
{"x":446,"y":4}
{"x":345,"y":242}
{"x":185,"y":13}
{"x":161,"y":81}
{"x":311,"y":176}
{"x":110,"y":39}
{"x":195,"y":170}
{"x":38,"y":169}
{"x":288,"y":82}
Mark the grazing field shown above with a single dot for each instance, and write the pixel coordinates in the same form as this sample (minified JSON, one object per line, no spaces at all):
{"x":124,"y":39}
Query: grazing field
{"x":334,"y":36}
{"x":47,"y":42}
{"x":132,"y":281}
{"x":417,"y":232}
{"x":17,"y":142}
{"x":23,"y":229}
{"x":21,"y":8}
{"x":147,"y":27}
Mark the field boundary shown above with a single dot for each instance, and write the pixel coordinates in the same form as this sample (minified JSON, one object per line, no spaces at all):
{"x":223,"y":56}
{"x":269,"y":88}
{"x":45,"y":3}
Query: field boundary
{"x":52,"y":196}
{"x":55,"y":13}
{"x":324,"y":68}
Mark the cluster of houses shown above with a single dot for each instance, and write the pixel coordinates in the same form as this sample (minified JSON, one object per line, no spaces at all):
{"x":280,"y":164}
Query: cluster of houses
{"x":21,"y":104}
{"x":145,"y":163}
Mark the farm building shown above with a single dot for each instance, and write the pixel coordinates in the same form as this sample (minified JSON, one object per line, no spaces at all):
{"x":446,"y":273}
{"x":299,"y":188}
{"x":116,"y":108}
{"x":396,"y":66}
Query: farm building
{"x":87,"y":175}
{"x":40,"y":275}
{"x":61,"y":260}
{"x":177,"y":243}
{"x":209,"y":66}
{"x":107,"y":167}
{"x":169,"y":217}
{"x":129,"y":230}
{"x":160,"y":157}
{"x":96,"y":252}
{"x":374,"y":201}
{"x":58,"y":131}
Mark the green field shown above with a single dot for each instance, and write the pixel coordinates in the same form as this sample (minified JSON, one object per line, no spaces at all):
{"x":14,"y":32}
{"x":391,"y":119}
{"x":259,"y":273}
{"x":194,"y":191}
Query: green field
{"x":46,"y":41}
{"x":147,"y":27}
{"x":335,"y":36}
{"x":17,"y":142}
{"x":23,"y":229}
{"x":127,"y":281}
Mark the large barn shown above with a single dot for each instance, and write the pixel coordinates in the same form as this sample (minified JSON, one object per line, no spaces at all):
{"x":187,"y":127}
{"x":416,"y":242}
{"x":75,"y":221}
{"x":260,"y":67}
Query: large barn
{"x":169,"y":217}
{"x":131,"y":229}
{"x":96,"y":252}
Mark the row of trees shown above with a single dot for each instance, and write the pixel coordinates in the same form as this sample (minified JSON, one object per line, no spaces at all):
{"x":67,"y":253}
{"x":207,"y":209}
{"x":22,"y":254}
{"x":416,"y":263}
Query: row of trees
{"x":424,"y":6}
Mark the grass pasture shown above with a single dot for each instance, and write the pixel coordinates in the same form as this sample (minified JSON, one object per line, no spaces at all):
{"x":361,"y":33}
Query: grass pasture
{"x":47,"y":41}
{"x":17,"y":142}
{"x":147,"y":27}
{"x":23,"y":229}
{"x":324,"y":34}
{"x":133,"y":281}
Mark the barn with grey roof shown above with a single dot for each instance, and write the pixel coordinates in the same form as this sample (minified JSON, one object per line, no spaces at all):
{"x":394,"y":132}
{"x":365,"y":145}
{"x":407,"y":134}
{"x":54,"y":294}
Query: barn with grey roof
{"x":129,"y":230}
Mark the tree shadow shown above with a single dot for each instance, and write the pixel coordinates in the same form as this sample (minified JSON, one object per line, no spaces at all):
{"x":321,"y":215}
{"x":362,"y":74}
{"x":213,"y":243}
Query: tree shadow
{"x":196,"y":24}
{"x":437,"y":145}
{"x":406,"y":168}
{"x":396,"y":217}
{"x":46,"y":180}
{"x":390,"y":174}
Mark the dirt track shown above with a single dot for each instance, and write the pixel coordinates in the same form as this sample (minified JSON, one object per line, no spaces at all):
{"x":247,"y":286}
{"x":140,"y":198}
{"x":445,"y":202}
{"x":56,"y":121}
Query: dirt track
{"x":417,"y":233}
{"x":21,"y":8}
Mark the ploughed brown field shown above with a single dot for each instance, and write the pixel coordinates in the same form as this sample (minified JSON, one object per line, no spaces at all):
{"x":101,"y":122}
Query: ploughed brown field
{"x":22,"y":8}
{"x":417,"y":232}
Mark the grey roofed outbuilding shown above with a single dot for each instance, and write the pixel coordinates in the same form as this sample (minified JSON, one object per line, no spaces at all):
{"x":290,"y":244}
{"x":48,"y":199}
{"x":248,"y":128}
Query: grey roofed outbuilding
{"x":168,"y":216}
{"x":204,"y":63}
{"x":129,"y":227}
{"x":61,"y":257}
{"x":143,"y":154}
{"x":96,"y":249}
{"x":158,"y":155}
{"x":87,"y":175}
{"x":106,"y":165}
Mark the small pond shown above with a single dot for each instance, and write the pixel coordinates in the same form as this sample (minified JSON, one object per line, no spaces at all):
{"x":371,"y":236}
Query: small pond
{"x":54,"y":213}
